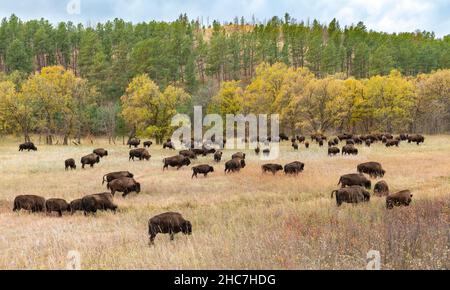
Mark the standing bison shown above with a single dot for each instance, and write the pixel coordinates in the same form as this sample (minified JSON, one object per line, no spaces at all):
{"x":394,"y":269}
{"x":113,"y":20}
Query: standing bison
{"x":168,"y":223}
{"x":234,"y":165}
{"x":116,"y":175}
{"x":294,"y":168}
{"x":90,"y":159}
{"x":96,"y":202}
{"x":148,"y":144}
{"x":273,"y":168}
{"x":353,"y":194}
{"x":416,"y":139}
{"x":373,"y":169}
{"x":355,"y":179}
{"x":58,"y":205}
{"x":332,"y":151}
{"x":101,"y":152}
{"x":126,"y":185}
{"x":70,"y":164}
{"x":218,"y":156}
{"x":349,"y":150}
{"x":202,"y":169}
{"x":189,"y":154}
{"x":239,"y":155}
{"x":31,"y":203}
{"x":402,"y":198}
{"x":140,"y":153}
{"x":169,"y":145}
{"x":27,"y":146}
{"x":76,"y":205}
{"x":381,"y":189}
{"x":133,"y":142}
{"x":392,"y":143}
{"x":176,"y":161}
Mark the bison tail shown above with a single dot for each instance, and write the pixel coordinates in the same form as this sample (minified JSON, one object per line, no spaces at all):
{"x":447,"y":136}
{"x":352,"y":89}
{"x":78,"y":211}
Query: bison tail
{"x":333,"y":192}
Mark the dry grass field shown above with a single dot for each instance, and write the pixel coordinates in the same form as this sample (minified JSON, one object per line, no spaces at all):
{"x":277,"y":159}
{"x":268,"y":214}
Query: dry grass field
{"x":240,"y":221}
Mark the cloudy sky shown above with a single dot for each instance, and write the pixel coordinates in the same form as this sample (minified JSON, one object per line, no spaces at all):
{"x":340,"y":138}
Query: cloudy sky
{"x":380,"y":15}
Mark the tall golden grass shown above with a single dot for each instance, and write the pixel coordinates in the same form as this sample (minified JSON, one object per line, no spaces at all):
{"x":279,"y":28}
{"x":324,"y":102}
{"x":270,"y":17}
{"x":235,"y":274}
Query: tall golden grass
{"x":240,"y":221}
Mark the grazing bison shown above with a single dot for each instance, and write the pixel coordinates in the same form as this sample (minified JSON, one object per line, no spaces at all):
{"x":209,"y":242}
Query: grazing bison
{"x":294,"y":168}
{"x":284,"y":137}
{"x":416,"y":139}
{"x":90,"y":159}
{"x":273,"y":168}
{"x":239,"y":155}
{"x":176,"y":161}
{"x":333,"y":151}
{"x":301,"y":139}
{"x":31,"y":203}
{"x":70,"y":163}
{"x":349,"y":150}
{"x":350,"y":142}
{"x":189,"y":154}
{"x":134,"y":142}
{"x":331,"y":143}
{"x":257,"y":150}
{"x":353,"y":194}
{"x":381,"y":188}
{"x":307,"y":144}
{"x":295,"y":146}
{"x":148,"y":144}
{"x":76,"y":205}
{"x":96,"y":202}
{"x":345,"y":136}
{"x":392,"y":143}
{"x":116,"y":175}
{"x":140,"y":153}
{"x":101,"y":152}
{"x":368,"y":142}
{"x":168,"y":223}
{"x":126,"y":185}
{"x":373,"y":169}
{"x":402,"y":198}
{"x":169,"y":145}
{"x":235,"y":164}
{"x":27,"y":146}
{"x":355,"y":179}
{"x":201,"y":169}
{"x":218,"y":156}
{"x":58,"y":205}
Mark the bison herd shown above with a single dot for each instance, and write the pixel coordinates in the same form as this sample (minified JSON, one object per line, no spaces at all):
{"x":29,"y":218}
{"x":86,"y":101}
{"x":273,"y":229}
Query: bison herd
{"x":354,"y":187}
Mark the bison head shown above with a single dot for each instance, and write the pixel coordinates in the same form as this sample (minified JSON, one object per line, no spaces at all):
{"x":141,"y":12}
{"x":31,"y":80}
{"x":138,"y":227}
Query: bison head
{"x":186,"y":228}
{"x":368,"y":184}
{"x":137,"y":187}
{"x":243,"y":163}
{"x":186,"y":161}
{"x":211,"y":169}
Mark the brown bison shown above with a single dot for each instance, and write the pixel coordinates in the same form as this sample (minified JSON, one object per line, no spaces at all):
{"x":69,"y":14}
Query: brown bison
{"x":189,"y":154}
{"x":295,"y":146}
{"x":126,"y":185}
{"x":116,"y":175}
{"x":96,"y":202}
{"x":273,"y":168}
{"x":58,"y":205}
{"x":27,"y":146}
{"x":257,"y":150}
{"x":307,"y":144}
{"x":202,"y":169}
{"x":381,"y":189}
{"x":353,"y":194}
{"x":169,"y":145}
{"x":239,"y":155}
{"x":90,"y":159}
{"x":301,"y":139}
{"x":416,"y":139}
{"x":31,"y":203}
{"x":140,"y":153}
{"x":345,"y":136}
{"x":176,"y":161}
{"x":133,"y":142}
{"x":373,"y":169}
{"x":101,"y":152}
{"x":70,"y":163}
{"x":355,"y":179}
{"x":402,"y":198}
{"x":294,"y":168}
{"x":168,"y":223}
{"x":284,"y":137}
{"x":368,"y":142}
{"x":148,"y":144}
{"x":76,"y":205}
{"x":218,"y":156}
{"x":332,"y":151}
{"x":349,"y":150}
{"x":234,"y":165}
{"x":392,"y":143}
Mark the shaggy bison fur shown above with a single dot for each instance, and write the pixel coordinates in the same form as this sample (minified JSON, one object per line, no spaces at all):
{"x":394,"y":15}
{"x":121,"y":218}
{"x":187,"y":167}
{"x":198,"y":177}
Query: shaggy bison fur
{"x":168,"y":223}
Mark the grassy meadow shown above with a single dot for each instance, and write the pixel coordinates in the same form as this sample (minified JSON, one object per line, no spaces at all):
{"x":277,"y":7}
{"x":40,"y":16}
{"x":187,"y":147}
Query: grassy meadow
{"x":240,"y":221}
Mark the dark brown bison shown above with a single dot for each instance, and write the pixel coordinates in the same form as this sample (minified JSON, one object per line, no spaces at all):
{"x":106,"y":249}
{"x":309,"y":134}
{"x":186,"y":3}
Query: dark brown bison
{"x":373,"y":169}
{"x":239,"y":155}
{"x":189,"y":154}
{"x":169,"y":145}
{"x":90,"y":159}
{"x":355,"y":179}
{"x":58,"y":205}
{"x":350,"y":142}
{"x":76,"y":205}
{"x":218,"y":156}
{"x":295,"y":146}
{"x":201,"y":169}
{"x":148,"y":144}
{"x":116,"y":175}
{"x":126,"y":185}
{"x":134,"y":142}
{"x":140,"y":153}
{"x":168,"y":223}
{"x":381,"y":188}
{"x":402,"y":198}
{"x":307,"y":144}
{"x":273,"y":168}
{"x":234,"y":165}
{"x":404,"y":137}
{"x":257,"y":150}
{"x":284,"y":137}
{"x":176,"y":161}
{"x":301,"y":139}
{"x":368,"y":142}
{"x":416,"y":139}
{"x":31,"y":203}
{"x":345,"y":136}
{"x":101,"y":152}
{"x":392,"y":143}
{"x":98,"y":202}
{"x":320,"y":143}
{"x":294,"y":168}
{"x":27,"y":146}
{"x":266,"y":152}
{"x":70,"y":164}
{"x":333,"y":151}
{"x":352,"y":194}
{"x":349,"y":150}
{"x":331,"y":143}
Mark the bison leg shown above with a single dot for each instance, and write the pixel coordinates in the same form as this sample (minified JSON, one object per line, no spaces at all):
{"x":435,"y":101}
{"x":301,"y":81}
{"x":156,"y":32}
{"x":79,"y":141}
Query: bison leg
{"x":60,"y":213}
{"x":172,"y":236}
{"x":152,"y":240}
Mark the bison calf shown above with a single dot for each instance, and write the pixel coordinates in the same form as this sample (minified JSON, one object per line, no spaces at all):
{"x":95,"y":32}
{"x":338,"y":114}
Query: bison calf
{"x":168,"y":223}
